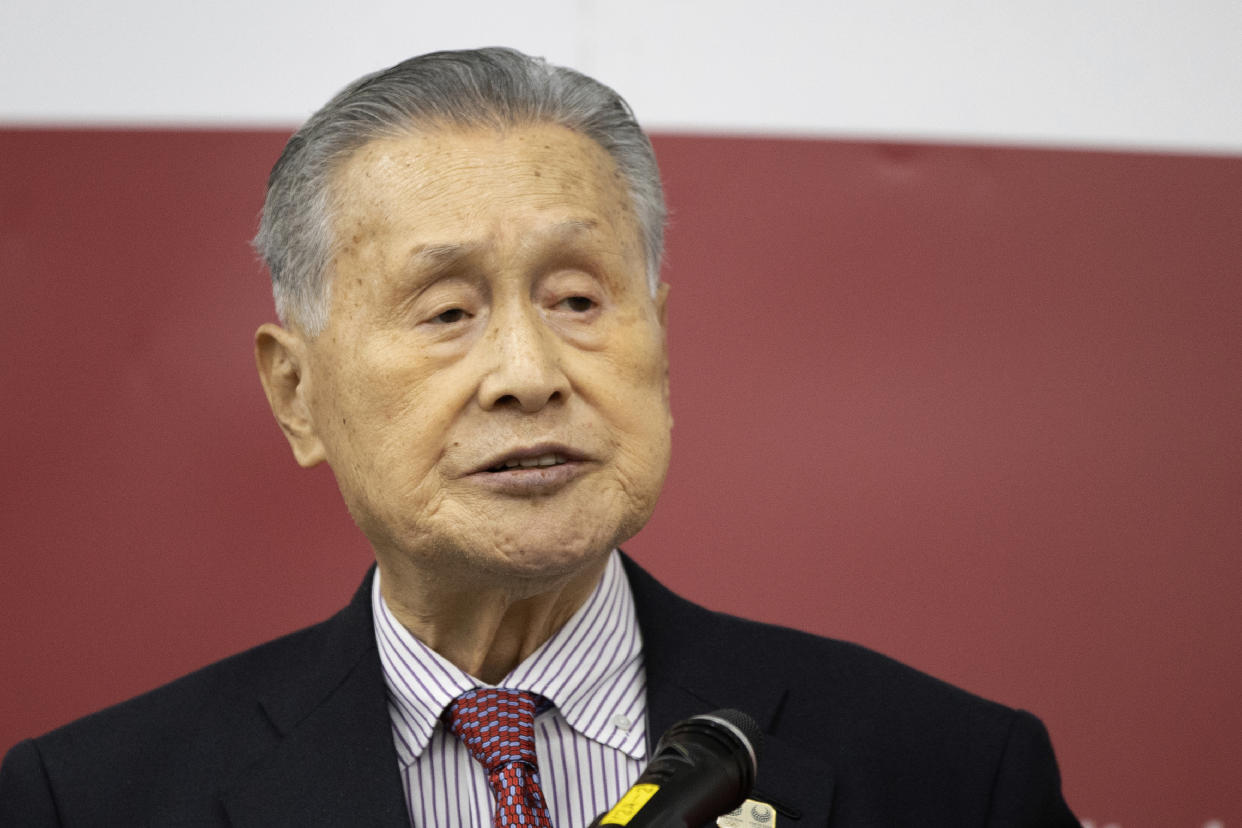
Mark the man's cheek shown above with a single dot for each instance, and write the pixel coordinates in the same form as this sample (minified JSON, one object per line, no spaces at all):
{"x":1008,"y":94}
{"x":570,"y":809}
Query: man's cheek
{"x":642,"y":457}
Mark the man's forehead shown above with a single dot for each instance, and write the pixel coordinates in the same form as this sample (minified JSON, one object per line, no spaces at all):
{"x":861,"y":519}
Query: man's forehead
{"x":450,"y":149}
{"x":447,"y":192}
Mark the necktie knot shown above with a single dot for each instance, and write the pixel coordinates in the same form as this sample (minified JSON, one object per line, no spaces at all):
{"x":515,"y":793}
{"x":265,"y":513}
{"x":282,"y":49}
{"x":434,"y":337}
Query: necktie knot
{"x":497,"y":726}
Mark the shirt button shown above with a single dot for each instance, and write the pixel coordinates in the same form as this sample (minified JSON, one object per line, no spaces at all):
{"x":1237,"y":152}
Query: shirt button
{"x":622,"y":721}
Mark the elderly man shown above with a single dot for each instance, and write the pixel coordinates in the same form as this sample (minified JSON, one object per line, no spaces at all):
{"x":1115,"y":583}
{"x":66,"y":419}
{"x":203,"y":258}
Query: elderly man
{"x":465,"y":255}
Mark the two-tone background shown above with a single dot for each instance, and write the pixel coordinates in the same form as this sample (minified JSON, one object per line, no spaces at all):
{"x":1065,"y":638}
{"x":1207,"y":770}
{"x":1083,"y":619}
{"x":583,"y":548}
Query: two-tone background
{"x":956,"y":345}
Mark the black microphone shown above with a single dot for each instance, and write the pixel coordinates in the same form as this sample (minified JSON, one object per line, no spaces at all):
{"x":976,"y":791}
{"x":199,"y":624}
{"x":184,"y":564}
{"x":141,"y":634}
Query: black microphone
{"x":703,"y":767}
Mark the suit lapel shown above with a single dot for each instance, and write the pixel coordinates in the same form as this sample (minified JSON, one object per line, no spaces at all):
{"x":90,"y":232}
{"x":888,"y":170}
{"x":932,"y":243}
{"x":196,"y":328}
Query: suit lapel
{"x":335,"y":764}
{"x":691,"y":669}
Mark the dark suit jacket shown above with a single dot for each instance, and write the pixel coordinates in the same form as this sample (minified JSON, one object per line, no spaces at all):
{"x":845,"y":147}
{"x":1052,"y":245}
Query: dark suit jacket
{"x":296,"y":732}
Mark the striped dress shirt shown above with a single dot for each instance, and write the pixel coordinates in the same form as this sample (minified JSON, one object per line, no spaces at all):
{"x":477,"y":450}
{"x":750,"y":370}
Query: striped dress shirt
{"x":591,"y":742}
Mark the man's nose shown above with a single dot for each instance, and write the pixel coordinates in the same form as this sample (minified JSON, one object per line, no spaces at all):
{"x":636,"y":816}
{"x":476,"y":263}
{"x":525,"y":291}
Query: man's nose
{"x":524,"y":370}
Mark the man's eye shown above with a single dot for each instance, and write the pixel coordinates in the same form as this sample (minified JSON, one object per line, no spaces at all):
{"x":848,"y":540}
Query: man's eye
{"x":450,"y":316}
{"x":578,"y":304}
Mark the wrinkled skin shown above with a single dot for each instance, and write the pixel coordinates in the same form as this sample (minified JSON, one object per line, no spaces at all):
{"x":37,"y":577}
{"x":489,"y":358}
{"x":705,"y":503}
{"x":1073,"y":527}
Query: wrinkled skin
{"x":488,"y":303}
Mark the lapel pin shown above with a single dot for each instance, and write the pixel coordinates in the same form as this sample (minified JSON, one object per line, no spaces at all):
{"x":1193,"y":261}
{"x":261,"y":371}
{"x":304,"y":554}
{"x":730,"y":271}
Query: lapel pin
{"x":751,"y":814}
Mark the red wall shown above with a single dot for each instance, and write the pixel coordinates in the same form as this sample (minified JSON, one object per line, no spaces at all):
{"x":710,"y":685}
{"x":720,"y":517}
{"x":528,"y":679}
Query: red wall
{"x":975,"y":407}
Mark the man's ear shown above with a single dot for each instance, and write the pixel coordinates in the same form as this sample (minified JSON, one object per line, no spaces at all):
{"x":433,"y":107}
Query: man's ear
{"x":281,"y":357}
{"x":661,"y":300}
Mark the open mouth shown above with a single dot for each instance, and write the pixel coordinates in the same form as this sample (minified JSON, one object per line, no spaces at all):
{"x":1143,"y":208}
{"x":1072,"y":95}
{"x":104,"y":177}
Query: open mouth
{"x":539,"y":461}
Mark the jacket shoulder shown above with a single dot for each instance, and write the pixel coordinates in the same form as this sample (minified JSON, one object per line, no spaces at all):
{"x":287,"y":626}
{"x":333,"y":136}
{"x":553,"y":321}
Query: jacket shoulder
{"x":851,"y":686}
{"x":724,"y":650}
{"x":902,"y":746}
{"x":175,"y":707}
{"x":169,"y":749}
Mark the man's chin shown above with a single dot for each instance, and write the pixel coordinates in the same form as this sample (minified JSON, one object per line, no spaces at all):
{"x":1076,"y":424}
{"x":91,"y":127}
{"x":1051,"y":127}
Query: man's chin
{"x":543,"y":561}
{"x":535,"y":558}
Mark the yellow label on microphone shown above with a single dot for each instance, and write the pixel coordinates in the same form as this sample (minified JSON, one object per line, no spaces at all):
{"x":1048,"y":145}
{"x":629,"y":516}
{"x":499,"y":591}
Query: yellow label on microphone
{"x":633,"y":801}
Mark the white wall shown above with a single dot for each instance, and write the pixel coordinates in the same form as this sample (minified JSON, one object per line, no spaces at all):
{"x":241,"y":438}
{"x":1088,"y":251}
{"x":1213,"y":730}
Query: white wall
{"x":1154,"y":74}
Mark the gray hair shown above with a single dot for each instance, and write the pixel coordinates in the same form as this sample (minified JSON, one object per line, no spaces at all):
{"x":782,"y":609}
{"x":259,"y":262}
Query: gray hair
{"x":492,"y":87}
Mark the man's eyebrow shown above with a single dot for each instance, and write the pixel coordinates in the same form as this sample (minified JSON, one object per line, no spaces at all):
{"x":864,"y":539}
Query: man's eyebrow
{"x":439,"y":255}
{"x":574,"y":226}
{"x":435,"y":256}
{"x":564,"y":231}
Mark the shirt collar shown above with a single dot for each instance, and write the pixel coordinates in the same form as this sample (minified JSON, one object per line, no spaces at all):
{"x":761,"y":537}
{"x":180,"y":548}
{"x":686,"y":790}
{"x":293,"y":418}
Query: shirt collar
{"x":590,"y":669}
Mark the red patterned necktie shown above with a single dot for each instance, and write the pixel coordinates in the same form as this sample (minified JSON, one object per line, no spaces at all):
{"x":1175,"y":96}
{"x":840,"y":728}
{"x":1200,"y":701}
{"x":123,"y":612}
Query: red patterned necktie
{"x":497,"y":726}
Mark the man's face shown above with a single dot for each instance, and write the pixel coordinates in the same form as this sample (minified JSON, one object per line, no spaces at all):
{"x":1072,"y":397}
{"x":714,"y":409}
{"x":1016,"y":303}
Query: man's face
{"x":491,"y":388}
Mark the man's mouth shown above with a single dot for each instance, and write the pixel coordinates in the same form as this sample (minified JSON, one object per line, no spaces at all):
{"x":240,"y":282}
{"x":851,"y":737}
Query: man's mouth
{"x":535,"y":470}
{"x":538,"y":461}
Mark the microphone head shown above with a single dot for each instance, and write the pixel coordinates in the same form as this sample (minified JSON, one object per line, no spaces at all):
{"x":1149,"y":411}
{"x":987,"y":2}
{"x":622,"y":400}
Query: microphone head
{"x":731,"y":736}
{"x":739,"y":725}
